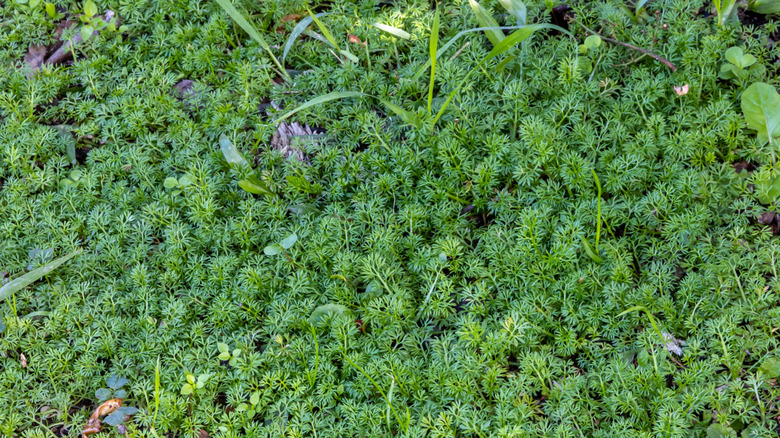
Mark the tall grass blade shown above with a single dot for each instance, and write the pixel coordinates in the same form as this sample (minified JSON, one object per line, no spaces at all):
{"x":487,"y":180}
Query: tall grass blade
{"x":486,"y":20}
{"x":457,"y":36}
{"x":324,"y":30}
{"x":249,"y":29}
{"x":517,"y":9}
{"x":27,"y":279}
{"x":322,"y":99}
{"x":505,"y":45}
{"x":649,"y":317}
{"x":432,"y":49}
{"x":407,"y":116}
{"x":297,"y":31}
{"x":394,"y":31}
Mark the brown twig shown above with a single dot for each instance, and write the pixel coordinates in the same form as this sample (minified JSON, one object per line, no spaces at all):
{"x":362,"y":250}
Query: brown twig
{"x":658,"y":58}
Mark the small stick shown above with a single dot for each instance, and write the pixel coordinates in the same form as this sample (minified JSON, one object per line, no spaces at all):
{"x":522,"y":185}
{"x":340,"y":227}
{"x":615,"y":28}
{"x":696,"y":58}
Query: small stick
{"x":658,"y":58}
{"x":459,"y":50}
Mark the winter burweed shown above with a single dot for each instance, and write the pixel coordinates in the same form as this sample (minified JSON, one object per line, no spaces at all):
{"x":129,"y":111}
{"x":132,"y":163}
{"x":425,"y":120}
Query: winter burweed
{"x":515,"y":331}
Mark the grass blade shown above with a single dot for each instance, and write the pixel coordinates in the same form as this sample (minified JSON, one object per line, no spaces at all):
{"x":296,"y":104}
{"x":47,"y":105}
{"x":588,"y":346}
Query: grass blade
{"x":517,"y":9}
{"x":486,"y":20}
{"x":249,"y":29}
{"x":322,"y":99}
{"x":394,"y":31}
{"x":25,"y":280}
{"x":432,"y":49}
{"x":407,"y":116}
{"x":454,"y":39}
{"x":505,"y":45}
{"x":324,"y":30}
{"x":297,"y":31}
{"x":649,"y":317}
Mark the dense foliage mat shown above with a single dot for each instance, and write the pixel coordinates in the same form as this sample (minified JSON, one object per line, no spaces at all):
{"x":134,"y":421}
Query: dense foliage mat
{"x":573,"y":248}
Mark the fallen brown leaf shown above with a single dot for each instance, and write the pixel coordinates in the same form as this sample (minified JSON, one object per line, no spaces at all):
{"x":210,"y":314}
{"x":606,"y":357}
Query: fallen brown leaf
{"x":93,"y":424}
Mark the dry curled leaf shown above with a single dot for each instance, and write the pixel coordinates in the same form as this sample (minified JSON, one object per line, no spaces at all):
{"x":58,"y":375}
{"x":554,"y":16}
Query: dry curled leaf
{"x":93,"y":424}
{"x":23,"y":359}
{"x":356,"y":40}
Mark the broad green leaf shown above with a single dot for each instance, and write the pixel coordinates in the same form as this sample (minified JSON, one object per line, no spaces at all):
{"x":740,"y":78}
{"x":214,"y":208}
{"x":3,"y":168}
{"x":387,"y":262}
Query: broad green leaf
{"x":748,"y":60}
{"x":2,"y":327}
{"x":771,"y":368}
{"x":718,"y":431}
{"x":400,"y":33}
{"x":322,"y":99}
{"x":486,"y":20}
{"x":86,"y":32}
{"x":255,"y":186}
{"x":289,"y":241}
{"x":764,"y":6}
{"x":761,"y":106}
{"x":323,"y":311}
{"x":190,"y":379}
{"x":734,"y":56}
{"x":273,"y":249}
{"x":432,"y":47}
{"x":407,"y":116}
{"x":170,"y":182}
{"x":114,"y":419}
{"x":222,"y":347}
{"x":304,"y":209}
{"x":25,"y":280}
{"x":592,"y":41}
{"x":255,"y":398}
{"x":51,"y":11}
{"x":297,"y":31}
{"x":120,"y":393}
{"x":90,"y":8}
{"x":223,"y":356}
{"x":186,"y":389}
{"x":115,"y":382}
{"x":640,"y":4}
{"x":517,"y":9}
{"x":231,"y":153}
{"x":103,"y":394}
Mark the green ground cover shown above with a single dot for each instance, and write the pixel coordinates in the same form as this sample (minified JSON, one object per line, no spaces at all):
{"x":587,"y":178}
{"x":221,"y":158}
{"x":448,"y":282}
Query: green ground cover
{"x":544,"y":240}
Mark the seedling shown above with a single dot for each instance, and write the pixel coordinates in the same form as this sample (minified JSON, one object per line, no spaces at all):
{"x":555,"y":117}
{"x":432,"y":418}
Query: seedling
{"x":251,"y":409}
{"x":114,"y":389}
{"x":225,"y":354}
{"x":281,"y":247}
{"x":94,"y":23}
{"x":193,"y":386}
{"x":73,"y":179}
{"x":177,"y":185}
{"x":741,"y":66}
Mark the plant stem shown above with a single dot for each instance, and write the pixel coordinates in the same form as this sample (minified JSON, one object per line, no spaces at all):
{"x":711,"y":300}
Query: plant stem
{"x":658,"y":58}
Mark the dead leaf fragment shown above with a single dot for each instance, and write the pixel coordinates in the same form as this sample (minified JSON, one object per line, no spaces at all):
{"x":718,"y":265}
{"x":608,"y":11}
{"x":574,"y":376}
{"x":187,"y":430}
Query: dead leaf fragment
{"x":289,"y":139}
{"x":356,"y":40}
{"x":673,"y":344}
{"x":23,"y":359}
{"x":94,"y":424}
